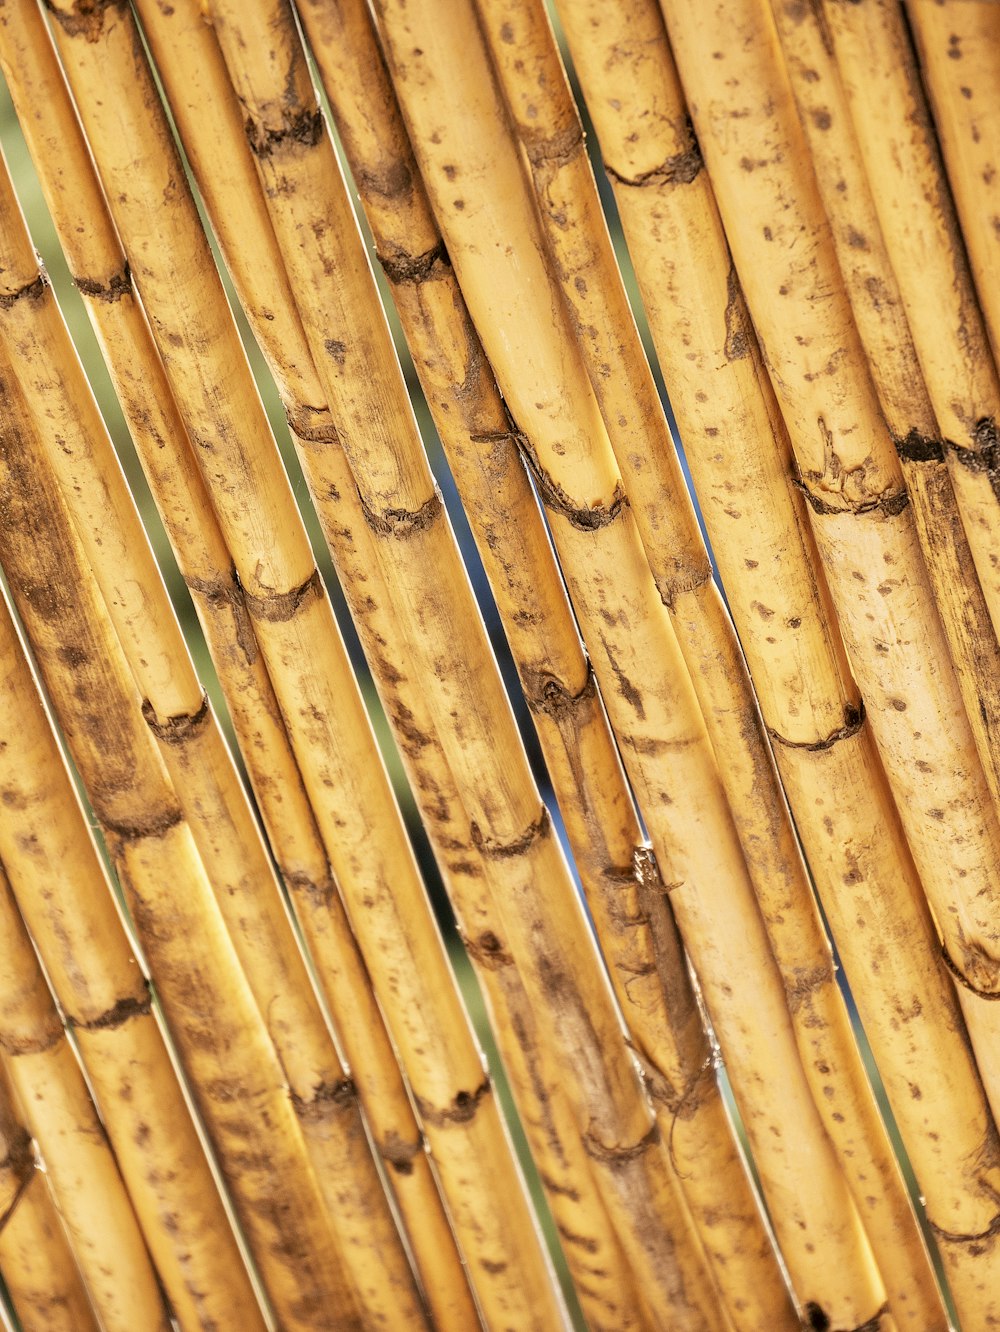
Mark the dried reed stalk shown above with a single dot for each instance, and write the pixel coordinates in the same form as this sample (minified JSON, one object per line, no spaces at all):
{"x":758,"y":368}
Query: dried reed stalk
{"x":91,"y":966}
{"x":330,"y":732}
{"x":560,"y":688}
{"x":850,"y":475}
{"x":896,"y":138}
{"x":36,"y":1262}
{"x":623,"y":620}
{"x":959,"y":46}
{"x":81,"y":1168}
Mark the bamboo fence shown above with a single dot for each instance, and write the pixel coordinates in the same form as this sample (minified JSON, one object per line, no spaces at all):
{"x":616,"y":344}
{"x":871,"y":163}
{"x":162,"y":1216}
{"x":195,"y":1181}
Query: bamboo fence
{"x":480,"y":643}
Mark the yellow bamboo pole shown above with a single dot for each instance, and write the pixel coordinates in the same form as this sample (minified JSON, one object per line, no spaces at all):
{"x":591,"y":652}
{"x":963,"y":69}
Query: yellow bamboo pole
{"x":959,"y":46}
{"x":316,"y":689}
{"x":884,"y":331}
{"x":437,"y":612}
{"x":235,"y":1073}
{"x":900,"y":151}
{"x":79,"y":1161}
{"x":36,"y":1262}
{"x":858,"y":510}
{"x":579,"y":749}
{"x":537,"y":91}
{"x":645,"y":684}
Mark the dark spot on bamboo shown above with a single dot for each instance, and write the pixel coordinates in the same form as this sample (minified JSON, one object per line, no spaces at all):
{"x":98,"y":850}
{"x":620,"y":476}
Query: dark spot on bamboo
{"x":887,"y":505}
{"x":179,"y":729}
{"x":915,"y":447}
{"x":491,"y":850}
{"x":487,"y":950}
{"x":494,"y":1269}
{"x":544,"y":693}
{"x":854,"y":719}
{"x":403,"y":523}
{"x":822,"y":119}
{"x":736,"y":345}
{"x":617,"y":1155}
{"x":403,"y":269}
{"x":85,"y":18}
{"x":121,"y":1012}
{"x":583,"y":1242}
{"x":304,"y":129}
{"x":816,"y":1318}
{"x":558,"y":148}
{"x":583,"y":517}
{"x":678,"y":169}
{"x":279,"y":607}
{"x":31,"y":291}
{"x":461,"y":1110}
{"x":325,"y":1100}
{"x":337,"y":351}
{"x":156,"y":823}
{"x":399,"y":1153}
{"x":117,"y":286}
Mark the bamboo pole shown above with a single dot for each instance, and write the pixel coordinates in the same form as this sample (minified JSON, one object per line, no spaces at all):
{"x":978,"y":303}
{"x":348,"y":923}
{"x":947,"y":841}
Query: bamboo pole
{"x":959,"y":46}
{"x":316,"y":689}
{"x":858,"y":510}
{"x":895,"y":135}
{"x":583,"y":764}
{"x":884,"y":332}
{"x":82,"y":1171}
{"x":622,"y":618}
{"x":537,"y":91}
{"x":36,"y":1262}
{"x":740,"y":460}
{"x":234,"y":1071}
{"x":438,"y":614}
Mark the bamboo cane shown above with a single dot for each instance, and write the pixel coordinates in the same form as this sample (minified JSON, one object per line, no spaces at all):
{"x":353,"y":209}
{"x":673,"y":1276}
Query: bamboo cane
{"x":81,"y":1167}
{"x":36,"y":1262}
{"x":595,"y":538}
{"x":231,"y":1063}
{"x":583,"y":764}
{"x":77,"y":203}
{"x":347,"y":329}
{"x":539,"y":96}
{"x":959,"y":46}
{"x":98,"y":983}
{"x":884,"y":332}
{"x":917,"y":216}
{"x":857,"y":505}
{"x":319,"y":697}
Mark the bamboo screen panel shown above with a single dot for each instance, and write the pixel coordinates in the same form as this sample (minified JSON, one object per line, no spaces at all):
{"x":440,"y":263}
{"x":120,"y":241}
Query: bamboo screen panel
{"x":499,"y":674}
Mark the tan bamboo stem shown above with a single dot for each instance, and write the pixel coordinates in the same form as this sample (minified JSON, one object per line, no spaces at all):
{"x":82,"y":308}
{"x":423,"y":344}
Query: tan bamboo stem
{"x":36,"y":1262}
{"x":884,"y":331}
{"x":537,"y":90}
{"x":959,"y":47}
{"x":77,"y":203}
{"x":318,"y":694}
{"x":579,"y":749}
{"x":857,"y":504}
{"x":101,"y":990}
{"x":895,"y":135}
{"x":234,"y":1071}
{"x":79,"y":1162}
{"x":624,"y":622}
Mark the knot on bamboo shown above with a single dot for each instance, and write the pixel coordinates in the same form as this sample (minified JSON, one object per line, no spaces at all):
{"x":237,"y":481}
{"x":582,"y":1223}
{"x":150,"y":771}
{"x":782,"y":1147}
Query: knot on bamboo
{"x":226,"y":593}
{"x":854,"y":719}
{"x":304,"y":129}
{"x":977,"y":963}
{"x":493,"y":850}
{"x":677,"y":169}
{"x":461,"y":1110}
{"x":31,"y":291}
{"x":404,"y":269}
{"x":326,"y":1100}
{"x":403,"y":523}
{"x":617,"y":1155}
{"x":279,"y":607}
{"x":918,"y":448}
{"x":584,"y":517}
{"x":120,"y":1012}
{"x":118,"y":285}
{"x":887,"y":505}
{"x":177,"y":730}
{"x":84,"y":18}
{"x":546,"y":694}
{"x":398,"y":1153}
{"x":553,"y":149}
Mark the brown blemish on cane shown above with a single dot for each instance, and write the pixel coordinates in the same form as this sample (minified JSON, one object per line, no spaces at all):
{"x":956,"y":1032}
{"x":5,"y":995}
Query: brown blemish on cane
{"x":544,"y":693}
{"x":227,"y":593}
{"x":854,"y":719}
{"x":117,"y":1015}
{"x":618,"y":1155}
{"x":279,"y":607}
{"x":487,"y":950}
{"x":917,"y":448}
{"x":678,"y":169}
{"x":462,"y":1109}
{"x":541,"y":827}
{"x":19,"y":1161}
{"x":559,"y":148}
{"x":326,"y":1100}
{"x":177,"y":730}
{"x":412,"y":269}
{"x":117,"y":286}
{"x":31,"y":291}
{"x":154,"y":824}
{"x":85,"y":18}
{"x":398,"y":1153}
{"x":302,"y":130}
{"x":403,"y":523}
{"x":336,"y":350}
{"x":736,"y":345}
{"x":584,"y":518}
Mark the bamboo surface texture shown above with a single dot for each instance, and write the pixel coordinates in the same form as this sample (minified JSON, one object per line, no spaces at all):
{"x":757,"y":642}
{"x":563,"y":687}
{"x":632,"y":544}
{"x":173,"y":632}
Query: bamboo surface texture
{"x":500,"y":595}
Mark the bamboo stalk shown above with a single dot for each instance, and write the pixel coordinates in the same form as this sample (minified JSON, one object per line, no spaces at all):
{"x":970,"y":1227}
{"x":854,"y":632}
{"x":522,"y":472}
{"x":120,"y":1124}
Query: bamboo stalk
{"x":858,"y":510}
{"x":632,"y":641}
{"x":959,"y":46}
{"x":82,"y":1171}
{"x":98,"y":983}
{"x":36,"y":1262}
{"x":318,"y":694}
{"x":884,"y":331}
{"x":576,"y":740}
{"x":917,"y":216}
{"x":234,"y":1071}
{"x":538,"y":93}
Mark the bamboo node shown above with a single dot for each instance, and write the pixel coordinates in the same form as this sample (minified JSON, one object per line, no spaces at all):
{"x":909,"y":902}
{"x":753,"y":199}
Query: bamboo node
{"x":399,"y":1153}
{"x":678,"y":169}
{"x":887,"y":506}
{"x":559,"y":148}
{"x":581,"y":516}
{"x":303,"y":130}
{"x":984,"y":456}
{"x":84,"y":18}
{"x":222,"y":592}
{"x":806,"y":982}
{"x":618,"y":1155}
{"x":179,"y":729}
{"x":854,"y":719}
{"x":403,"y":523}
{"x":411,"y":269}
{"x":541,"y":827}
{"x":325,"y":1101}
{"x":963,"y":980}
{"x":545,"y":693}
{"x":117,"y":286}
{"x":156,"y":824}
{"x":915,"y":447}
{"x":669,"y":592}
{"x":279,"y":607}
{"x":29,"y":1045}
{"x":122,"y":1011}
{"x":312,"y":434}
{"x":31,"y":291}
{"x":462,"y":1109}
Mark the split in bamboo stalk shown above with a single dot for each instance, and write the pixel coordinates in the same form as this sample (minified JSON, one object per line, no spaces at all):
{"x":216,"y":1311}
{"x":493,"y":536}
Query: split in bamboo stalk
{"x":36,"y":1262}
{"x":79,"y":1162}
{"x":320,"y":701}
{"x":578,"y":746}
{"x":539,"y":96}
{"x":858,"y":508}
{"x":622,"y":617}
{"x":90,"y":964}
{"x":916,"y":216}
{"x":959,"y":46}
{"x":884,"y":332}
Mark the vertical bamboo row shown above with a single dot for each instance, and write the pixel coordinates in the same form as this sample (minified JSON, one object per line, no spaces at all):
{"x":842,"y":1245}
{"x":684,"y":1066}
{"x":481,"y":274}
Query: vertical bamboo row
{"x":346,"y":781}
{"x":847,"y":466}
{"x":655,"y":994}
